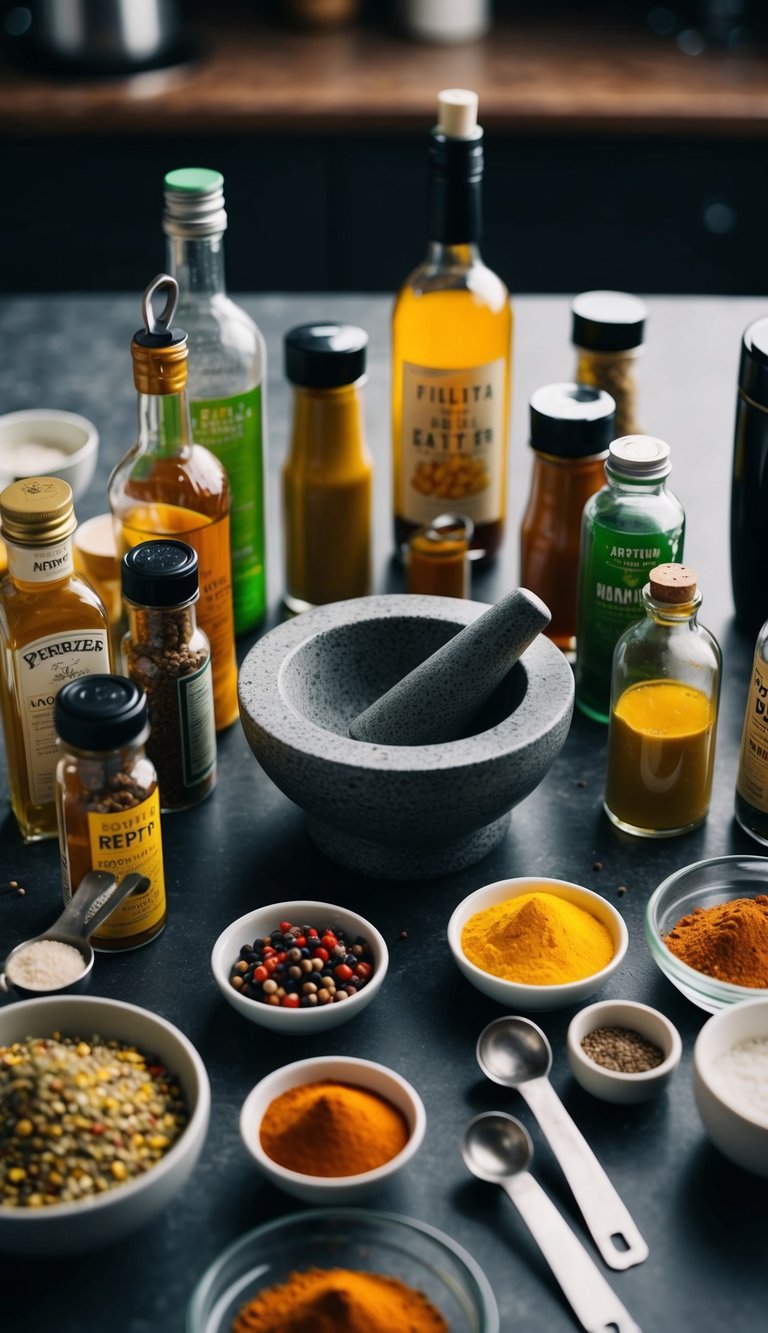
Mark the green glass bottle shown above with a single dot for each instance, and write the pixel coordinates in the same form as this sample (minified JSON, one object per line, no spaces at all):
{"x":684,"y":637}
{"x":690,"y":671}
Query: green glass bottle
{"x":227,"y":372}
{"x":633,"y":524}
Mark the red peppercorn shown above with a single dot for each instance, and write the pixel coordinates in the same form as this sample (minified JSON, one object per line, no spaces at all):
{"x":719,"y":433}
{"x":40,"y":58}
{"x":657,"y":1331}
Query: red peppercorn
{"x":301,"y":941}
{"x":329,"y":940}
{"x":321,"y":953}
{"x":290,"y":1001}
{"x":363,"y":970}
{"x":343,"y":972}
{"x":260,"y":973}
{"x":268,"y":952}
{"x":271,"y":964}
{"x":281,"y":957}
{"x":285,"y":926}
{"x":312,"y":933}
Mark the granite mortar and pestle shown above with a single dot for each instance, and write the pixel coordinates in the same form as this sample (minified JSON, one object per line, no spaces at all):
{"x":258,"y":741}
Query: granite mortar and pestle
{"x":407,"y":727}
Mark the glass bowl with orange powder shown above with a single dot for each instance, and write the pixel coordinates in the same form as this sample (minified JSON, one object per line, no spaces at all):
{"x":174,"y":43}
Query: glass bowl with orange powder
{"x":707,"y":930}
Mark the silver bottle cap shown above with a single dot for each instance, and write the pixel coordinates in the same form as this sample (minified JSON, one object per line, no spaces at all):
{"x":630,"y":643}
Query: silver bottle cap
{"x":194,"y":203}
{"x":639,"y":456}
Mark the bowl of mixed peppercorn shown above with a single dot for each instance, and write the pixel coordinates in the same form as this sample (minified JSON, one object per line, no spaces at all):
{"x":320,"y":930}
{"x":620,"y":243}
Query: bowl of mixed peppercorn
{"x":300,"y":967}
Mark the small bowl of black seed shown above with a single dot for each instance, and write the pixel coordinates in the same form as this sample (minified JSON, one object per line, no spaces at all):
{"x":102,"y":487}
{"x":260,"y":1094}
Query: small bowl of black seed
{"x":622,"y":1051}
{"x":300,"y":967}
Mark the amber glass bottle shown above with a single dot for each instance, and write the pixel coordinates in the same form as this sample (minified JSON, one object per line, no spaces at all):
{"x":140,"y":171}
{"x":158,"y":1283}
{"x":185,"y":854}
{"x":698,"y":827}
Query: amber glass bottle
{"x":166,"y":486}
{"x":53,"y":628}
{"x":451,"y":352}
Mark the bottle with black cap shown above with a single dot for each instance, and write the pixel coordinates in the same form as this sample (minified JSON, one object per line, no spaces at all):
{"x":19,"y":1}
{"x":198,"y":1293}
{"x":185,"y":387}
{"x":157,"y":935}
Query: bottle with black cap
{"x":108,"y":802}
{"x":451,"y":351}
{"x":749,"y":483}
{"x":169,"y":658}
{"x":607,"y":332}
{"x":572,"y":426}
{"x":328,"y":474}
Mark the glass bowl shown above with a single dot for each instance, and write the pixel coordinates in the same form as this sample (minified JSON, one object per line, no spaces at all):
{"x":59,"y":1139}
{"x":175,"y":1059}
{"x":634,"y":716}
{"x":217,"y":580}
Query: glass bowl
{"x":352,"y":1238}
{"x":703,"y":884}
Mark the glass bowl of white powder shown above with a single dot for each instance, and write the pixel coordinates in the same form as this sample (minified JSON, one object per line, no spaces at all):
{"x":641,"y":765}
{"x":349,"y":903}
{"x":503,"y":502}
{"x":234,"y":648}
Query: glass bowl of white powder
{"x":730,"y":1083}
{"x":43,"y":442}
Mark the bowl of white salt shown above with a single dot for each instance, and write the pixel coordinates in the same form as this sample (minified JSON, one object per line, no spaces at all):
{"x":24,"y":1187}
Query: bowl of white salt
{"x":730,"y":1083}
{"x":44,"y":442}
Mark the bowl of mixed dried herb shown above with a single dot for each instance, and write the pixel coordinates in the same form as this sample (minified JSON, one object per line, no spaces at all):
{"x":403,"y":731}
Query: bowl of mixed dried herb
{"x":103,"y":1113}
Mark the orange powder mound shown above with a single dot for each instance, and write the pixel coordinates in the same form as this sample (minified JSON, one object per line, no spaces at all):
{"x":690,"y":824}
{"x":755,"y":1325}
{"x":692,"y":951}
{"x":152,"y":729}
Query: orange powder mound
{"x":332,"y":1129}
{"x":538,"y":939}
{"x":339,"y":1301}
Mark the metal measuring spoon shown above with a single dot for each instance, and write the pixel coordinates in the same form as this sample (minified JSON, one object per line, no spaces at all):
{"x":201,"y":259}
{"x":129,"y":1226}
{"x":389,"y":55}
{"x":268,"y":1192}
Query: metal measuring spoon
{"x":497,"y":1148}
{"x":97,"y":896}
{"x":516,"y":1053}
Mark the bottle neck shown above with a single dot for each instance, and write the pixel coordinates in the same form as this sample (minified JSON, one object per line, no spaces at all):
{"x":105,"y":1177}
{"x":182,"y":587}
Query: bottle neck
{"x":634,"y":485}
{"x":197,"y":265}
{"x":671,"y":613}
{"x":164,"y":426}
{"x":31,"y":564}
{"x":452,"y":256}
{"x":455,"y":184}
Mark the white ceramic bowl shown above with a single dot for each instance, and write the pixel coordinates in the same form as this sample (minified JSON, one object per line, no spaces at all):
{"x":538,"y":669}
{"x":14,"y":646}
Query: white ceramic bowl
{"x":609,"y":1084}
{"x":296,"y":1022}
{"x":342,"y":1069}
{"x":515,"y":995}
{"x":740,"y":1133}
{"x":75,"y":436}
{"x":66,"y":1227}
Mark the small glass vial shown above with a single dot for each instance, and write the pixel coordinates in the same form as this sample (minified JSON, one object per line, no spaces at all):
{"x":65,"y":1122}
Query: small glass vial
{"x":169,"y":658}
{"x":633,"y":524}
{"x":752,"y":780}
{"x":328,"y":474}
{"x":572,"y":426}
{"x":665,"y":693}
{"x":607,"y":332}
{"x":108,"y":802}
{"x":437,"y":558}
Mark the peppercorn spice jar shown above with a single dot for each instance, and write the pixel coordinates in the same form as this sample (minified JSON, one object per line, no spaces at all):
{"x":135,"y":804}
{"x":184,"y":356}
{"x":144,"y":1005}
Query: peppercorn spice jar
{"x":169,"y":658}
{"x":607,"y":332}
{"x":108,"y":803}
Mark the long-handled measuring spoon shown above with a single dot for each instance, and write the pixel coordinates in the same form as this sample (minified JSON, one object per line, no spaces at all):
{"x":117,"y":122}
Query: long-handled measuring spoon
{"x":497,"y":1148}
{"x":515,"y":1053}
{"x":97,"y":896}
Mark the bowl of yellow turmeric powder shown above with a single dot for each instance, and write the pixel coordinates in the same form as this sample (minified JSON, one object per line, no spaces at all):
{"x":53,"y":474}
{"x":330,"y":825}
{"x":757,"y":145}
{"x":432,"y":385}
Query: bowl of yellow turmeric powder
{"x":533,"y":943}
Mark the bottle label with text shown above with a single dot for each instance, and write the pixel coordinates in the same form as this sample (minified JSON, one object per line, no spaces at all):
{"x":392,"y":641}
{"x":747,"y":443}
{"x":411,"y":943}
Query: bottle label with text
{"x":128,"y":842}
{"x":752,"y":782}
{"x":32,"y":564}
{"x":198,"y":728}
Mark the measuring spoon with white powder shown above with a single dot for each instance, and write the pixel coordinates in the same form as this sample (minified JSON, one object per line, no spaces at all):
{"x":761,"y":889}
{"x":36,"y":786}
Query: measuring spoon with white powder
{"x":60,"y":960}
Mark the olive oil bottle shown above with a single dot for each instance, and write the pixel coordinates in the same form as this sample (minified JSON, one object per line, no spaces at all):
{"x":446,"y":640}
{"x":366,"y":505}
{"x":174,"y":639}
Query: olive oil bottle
{"x":451,"y":351}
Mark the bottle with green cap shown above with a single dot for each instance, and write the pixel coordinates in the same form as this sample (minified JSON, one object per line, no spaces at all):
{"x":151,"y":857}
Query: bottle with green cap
{"x":227,"y":372}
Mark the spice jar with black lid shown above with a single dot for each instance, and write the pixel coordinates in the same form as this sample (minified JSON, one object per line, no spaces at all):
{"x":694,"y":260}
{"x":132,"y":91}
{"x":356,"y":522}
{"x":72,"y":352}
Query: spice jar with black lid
{"x":169,"y":657}
{"x":108,"y":803}
{"x":607,"y":332}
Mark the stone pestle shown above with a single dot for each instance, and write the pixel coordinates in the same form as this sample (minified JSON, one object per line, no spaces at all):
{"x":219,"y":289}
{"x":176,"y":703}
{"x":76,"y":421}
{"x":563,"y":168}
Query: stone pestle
{"x":438,"y":699}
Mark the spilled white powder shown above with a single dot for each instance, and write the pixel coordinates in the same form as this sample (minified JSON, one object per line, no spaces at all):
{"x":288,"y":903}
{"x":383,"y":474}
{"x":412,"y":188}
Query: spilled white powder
{"x":744,"y":1070}
{"x":46,"y":965}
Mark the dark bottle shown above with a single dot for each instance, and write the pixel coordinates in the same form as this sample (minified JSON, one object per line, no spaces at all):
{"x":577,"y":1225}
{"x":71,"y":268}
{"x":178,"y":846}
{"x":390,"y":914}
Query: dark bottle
{"x":749,"y":486}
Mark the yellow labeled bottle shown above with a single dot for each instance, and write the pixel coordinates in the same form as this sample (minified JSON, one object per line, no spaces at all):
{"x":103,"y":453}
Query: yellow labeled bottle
{"x":167,"y":486}
{"x":53,"y":629}
{"x":664,"y":700}
{"x":451,"y":351}
{"x":109,"y":804}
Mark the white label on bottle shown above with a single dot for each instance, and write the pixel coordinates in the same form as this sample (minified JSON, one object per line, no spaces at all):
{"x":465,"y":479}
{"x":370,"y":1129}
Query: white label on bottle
{"x":453,"y":442}
{"x":198,"y":726}
{"x":33,"y":564}
{"x":41,"y":668}
{"x":752,"y":782}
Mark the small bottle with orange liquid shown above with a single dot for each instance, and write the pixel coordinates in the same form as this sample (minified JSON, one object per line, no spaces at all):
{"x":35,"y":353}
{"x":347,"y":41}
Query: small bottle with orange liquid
{"x":167,"y":486}
{"x":664,"y":699}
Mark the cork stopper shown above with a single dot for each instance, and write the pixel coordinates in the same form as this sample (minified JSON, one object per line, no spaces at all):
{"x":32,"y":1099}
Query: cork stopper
{"x":674,"y":584}
{"x":457,"y":113}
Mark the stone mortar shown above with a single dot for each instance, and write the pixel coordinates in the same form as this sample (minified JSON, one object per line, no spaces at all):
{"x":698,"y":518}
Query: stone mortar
{"x":396,"y":811}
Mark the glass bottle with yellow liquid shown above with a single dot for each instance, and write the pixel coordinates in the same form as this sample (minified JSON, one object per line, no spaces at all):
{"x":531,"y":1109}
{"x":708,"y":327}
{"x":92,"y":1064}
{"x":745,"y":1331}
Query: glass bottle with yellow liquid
{"x":451,"y":351}
{"x":53,"y":629}
{"x":665,"y":693}
{"x":167,"y":486}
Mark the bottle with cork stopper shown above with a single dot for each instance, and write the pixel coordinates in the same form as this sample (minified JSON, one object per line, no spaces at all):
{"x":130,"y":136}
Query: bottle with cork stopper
{"x":451,"y":351}
{"x":665,"y":691}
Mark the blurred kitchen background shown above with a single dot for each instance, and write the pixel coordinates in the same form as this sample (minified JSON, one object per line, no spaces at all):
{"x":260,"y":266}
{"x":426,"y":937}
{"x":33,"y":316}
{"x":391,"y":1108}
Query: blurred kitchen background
{"x":626,"y":141}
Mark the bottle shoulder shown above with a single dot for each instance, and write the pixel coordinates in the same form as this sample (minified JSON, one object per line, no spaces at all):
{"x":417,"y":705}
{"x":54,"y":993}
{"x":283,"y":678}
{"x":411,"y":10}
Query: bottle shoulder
{"x":34,"y":611}
{"x":227,"y":352}
{"x":673,"y":647}
{"x":472,"y":281}
{"x":193,"y":478}
{"x":640,"y":511}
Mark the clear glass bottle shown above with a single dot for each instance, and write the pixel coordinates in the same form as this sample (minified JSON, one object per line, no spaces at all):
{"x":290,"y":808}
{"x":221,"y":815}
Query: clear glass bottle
{"x":328,"y":473}
{"x":607,"y":332}
{"x":108,"y":802}
{"x":752,"y":780}
{"x":227,"y":373}
{"x":451,"y":351}
{"x":168,"y":657}
{"x":166,"y":486}
{"x":572,"y":426}
{"x":633,"y":524}
{"x":665,"y":692}
{"x":53,"y":628}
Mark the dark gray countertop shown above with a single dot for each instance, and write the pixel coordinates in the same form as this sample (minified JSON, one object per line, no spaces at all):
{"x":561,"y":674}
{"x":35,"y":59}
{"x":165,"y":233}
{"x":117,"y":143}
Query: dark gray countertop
{"x":703,"y":1219}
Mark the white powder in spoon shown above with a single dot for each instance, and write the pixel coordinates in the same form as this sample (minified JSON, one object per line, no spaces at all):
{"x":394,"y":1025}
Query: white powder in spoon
{"x":46,"y":965}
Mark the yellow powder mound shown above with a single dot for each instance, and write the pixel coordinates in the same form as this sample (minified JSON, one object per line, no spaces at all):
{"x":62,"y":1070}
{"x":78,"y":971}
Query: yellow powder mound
{"x":332,"y":1129}
{"x":537,"y":939}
